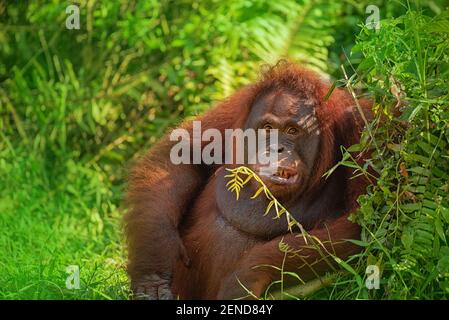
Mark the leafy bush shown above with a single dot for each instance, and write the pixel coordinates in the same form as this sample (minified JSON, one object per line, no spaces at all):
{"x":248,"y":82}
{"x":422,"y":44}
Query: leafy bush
{"x":405,"y":216}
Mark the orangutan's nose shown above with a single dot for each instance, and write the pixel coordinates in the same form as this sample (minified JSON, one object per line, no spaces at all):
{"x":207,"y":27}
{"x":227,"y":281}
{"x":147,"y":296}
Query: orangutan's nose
{"x":277,"y":148}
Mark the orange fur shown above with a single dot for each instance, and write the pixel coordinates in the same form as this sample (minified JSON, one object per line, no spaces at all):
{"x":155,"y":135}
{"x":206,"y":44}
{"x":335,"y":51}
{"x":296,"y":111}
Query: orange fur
{"x":173,"y":205}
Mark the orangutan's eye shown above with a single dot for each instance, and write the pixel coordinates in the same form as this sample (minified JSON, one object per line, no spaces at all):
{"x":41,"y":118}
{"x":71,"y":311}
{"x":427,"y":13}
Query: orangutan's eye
{"x":292,"y":130}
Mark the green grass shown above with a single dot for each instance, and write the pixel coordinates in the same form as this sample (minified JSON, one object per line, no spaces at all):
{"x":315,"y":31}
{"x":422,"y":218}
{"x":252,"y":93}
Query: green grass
{"x":50,"y":222}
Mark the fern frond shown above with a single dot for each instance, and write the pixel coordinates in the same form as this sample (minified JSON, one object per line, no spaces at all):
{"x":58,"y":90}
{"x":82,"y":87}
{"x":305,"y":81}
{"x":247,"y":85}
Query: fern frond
{"x":236,"y":183}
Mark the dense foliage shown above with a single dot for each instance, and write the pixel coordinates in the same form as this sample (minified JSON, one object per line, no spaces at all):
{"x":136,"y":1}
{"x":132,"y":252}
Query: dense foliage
{"x":77,"y":105}
{"x":406,"y":216}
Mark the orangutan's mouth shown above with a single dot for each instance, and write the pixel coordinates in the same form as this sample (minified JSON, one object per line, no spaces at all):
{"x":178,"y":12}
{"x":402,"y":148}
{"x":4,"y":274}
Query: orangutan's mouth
{"x":279,"y":175}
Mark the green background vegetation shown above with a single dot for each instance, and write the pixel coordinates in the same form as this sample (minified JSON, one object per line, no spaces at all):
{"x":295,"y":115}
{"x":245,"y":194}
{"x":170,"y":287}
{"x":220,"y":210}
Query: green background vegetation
{"x":77,"y":105}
